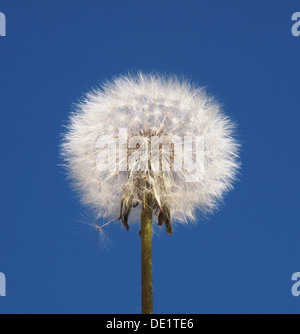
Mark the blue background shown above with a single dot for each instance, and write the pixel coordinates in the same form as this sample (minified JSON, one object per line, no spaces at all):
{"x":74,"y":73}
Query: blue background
{"x":240,"y":260}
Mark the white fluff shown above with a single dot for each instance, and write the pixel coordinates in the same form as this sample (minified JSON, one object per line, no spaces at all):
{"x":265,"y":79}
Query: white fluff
{"x":160,"y":106}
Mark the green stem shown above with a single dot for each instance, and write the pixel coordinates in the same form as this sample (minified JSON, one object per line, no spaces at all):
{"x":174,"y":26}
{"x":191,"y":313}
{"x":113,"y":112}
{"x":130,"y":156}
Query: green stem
{"x":146,"y":257}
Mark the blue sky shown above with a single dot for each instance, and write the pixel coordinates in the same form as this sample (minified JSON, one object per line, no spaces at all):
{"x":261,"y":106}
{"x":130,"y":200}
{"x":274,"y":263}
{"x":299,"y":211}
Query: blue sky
{"x":240,"y":260}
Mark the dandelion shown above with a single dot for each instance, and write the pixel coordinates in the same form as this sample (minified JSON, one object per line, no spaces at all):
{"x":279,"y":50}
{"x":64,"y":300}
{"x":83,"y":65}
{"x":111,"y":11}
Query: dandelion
{"x":148,"y":147}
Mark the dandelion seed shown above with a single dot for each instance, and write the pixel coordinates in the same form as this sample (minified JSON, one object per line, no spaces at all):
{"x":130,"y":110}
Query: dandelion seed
{"x":90,"y":221}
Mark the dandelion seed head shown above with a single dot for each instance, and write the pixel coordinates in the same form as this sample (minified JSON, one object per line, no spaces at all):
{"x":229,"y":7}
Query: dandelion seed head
{"x":147,"y":106}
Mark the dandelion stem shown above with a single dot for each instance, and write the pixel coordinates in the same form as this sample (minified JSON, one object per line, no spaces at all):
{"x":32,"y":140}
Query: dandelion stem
{"x":146,"y":257}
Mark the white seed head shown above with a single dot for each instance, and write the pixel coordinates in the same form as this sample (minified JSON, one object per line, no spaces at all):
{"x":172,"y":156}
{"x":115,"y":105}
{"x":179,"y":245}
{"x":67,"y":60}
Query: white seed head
{"x":150,"y":106}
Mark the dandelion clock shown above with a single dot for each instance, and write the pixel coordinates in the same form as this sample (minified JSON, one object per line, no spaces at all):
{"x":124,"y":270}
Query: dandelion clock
{"x":150,"y":149}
